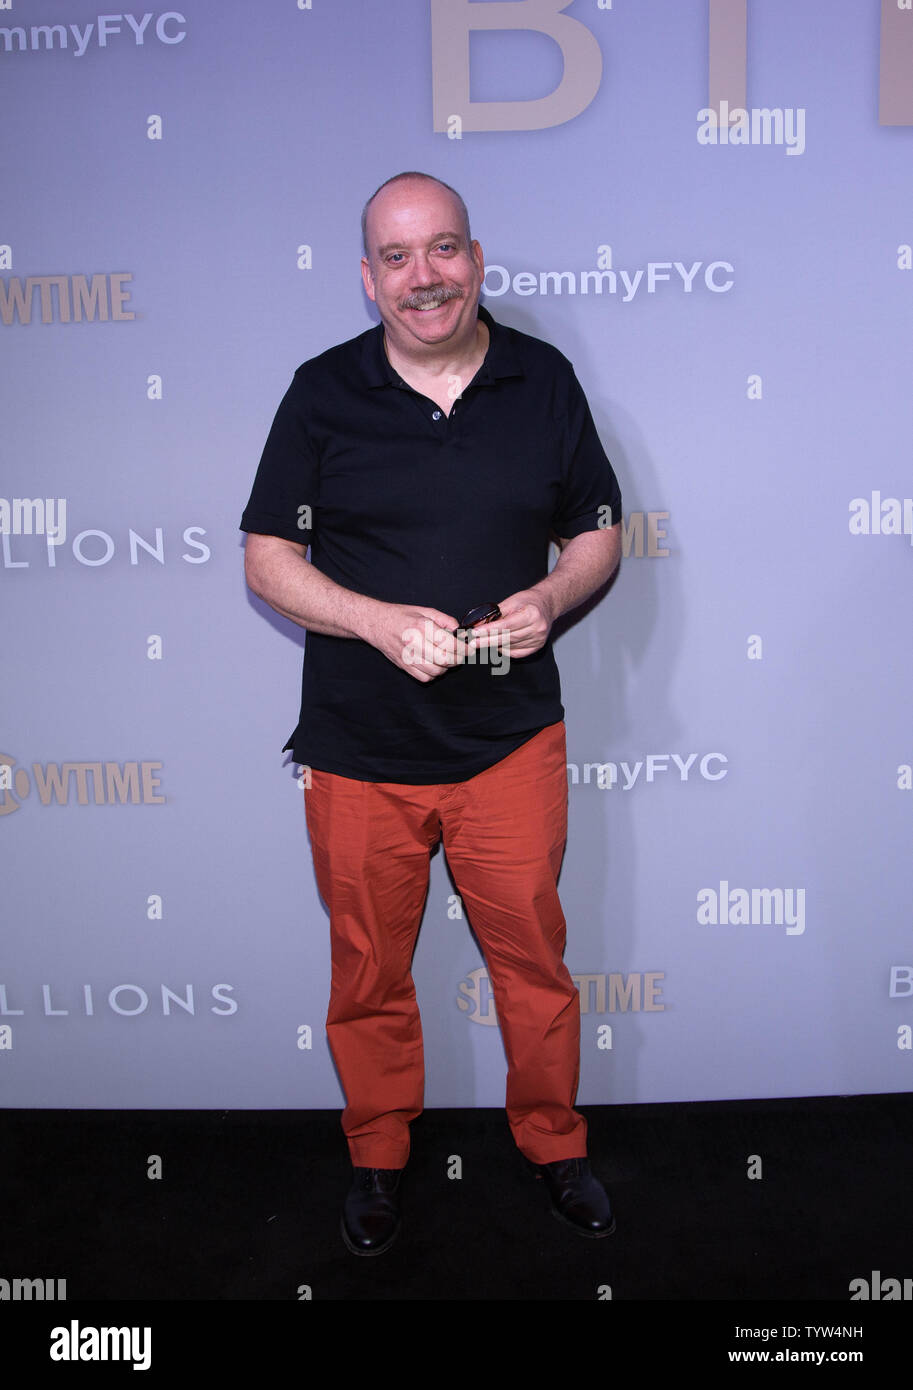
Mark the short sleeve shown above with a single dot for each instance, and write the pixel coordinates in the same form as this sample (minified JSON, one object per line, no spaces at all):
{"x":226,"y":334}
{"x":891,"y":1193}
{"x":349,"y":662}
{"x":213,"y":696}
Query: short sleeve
{"x":283,"y":501}
{"x":590,"y":497}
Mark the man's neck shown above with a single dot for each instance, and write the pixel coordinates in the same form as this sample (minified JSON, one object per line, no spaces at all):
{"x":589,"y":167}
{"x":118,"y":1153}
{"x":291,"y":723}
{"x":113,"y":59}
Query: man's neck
{"x":445,"y":366}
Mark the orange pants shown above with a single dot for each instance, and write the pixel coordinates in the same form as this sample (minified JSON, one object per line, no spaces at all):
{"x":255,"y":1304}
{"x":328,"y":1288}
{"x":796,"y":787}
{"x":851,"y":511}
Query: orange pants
{"x":503,"y":832}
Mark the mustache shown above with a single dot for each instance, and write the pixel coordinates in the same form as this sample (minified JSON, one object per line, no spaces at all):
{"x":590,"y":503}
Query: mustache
{"x":439,"y":295}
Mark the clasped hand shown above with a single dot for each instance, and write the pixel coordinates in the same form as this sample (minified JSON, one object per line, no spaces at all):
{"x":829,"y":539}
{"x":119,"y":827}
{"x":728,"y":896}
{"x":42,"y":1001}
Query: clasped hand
{"x":422,"y":641}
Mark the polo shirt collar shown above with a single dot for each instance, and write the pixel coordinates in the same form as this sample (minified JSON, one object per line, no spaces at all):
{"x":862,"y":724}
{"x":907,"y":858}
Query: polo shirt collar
{"x":501,"y":359}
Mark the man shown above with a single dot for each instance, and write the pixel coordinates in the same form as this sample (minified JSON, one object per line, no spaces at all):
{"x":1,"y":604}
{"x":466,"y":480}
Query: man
{"x":427,"y":463}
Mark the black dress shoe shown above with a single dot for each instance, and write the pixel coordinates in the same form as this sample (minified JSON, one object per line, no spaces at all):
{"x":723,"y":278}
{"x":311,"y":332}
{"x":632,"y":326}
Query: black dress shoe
{"x":370,"y":1217}
{"x":578,"y":1199}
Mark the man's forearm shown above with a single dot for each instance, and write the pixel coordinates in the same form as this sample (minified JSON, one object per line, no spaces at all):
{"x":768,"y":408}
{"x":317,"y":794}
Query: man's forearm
{"x":279,"y":573}
{"x":583,"y":566}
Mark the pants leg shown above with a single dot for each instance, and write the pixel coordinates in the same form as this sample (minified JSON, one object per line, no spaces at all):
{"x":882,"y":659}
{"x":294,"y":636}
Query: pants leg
{"x":371,"y":844}
{"x":504,"y":834}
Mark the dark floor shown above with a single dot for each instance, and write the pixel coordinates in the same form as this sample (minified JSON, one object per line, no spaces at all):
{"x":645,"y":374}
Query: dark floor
{"x":247,"y":1209}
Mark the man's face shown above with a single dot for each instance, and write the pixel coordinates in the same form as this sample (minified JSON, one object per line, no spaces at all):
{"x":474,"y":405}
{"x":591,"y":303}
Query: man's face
{"x":420,"y":270}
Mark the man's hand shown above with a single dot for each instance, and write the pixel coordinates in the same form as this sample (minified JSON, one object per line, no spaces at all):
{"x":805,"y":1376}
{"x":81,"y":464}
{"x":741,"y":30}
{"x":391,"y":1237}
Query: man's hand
{"x":584,"y":564}
{"x":419,"y":641}
{"x":523,"y":627}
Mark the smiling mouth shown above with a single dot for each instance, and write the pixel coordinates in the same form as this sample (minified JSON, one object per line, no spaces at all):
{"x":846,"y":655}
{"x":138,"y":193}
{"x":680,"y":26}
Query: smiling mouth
{"x":422,"y":301}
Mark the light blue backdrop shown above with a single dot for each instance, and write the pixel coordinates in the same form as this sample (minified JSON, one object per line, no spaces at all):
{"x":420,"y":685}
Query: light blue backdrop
{"x":163,"y":944}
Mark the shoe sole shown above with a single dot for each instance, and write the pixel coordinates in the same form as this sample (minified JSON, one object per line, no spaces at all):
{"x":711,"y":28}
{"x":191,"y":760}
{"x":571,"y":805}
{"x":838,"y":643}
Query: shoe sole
{"x":358,"y":1250}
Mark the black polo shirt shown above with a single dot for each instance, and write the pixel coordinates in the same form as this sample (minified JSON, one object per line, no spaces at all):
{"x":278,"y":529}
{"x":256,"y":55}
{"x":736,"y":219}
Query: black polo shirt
{"x":409,"y":505}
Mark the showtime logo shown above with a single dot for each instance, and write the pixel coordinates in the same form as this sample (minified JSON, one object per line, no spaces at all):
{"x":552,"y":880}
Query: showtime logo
{"x":607,"y":993}
{"x":62,"y":784}
{"x":67,"y":298}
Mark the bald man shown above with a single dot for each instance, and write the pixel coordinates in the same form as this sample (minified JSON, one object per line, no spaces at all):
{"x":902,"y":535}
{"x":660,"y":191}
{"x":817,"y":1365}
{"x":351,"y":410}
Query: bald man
{"x":427,"y":464}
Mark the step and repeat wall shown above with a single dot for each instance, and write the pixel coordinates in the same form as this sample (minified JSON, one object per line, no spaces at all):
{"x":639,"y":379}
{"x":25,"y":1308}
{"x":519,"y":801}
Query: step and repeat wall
{"x":708,"y":207}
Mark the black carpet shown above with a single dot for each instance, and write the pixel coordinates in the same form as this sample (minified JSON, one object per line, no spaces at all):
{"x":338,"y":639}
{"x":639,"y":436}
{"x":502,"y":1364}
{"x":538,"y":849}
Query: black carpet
{"x":246,"y":1208}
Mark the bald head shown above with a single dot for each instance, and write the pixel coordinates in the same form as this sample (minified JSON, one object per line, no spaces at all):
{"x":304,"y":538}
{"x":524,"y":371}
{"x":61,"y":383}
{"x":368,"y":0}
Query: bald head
{"x":413,"y":176}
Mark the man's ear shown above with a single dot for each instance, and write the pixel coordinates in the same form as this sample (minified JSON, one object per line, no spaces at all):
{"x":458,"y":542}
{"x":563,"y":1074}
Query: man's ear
{"x":367,"y":277}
